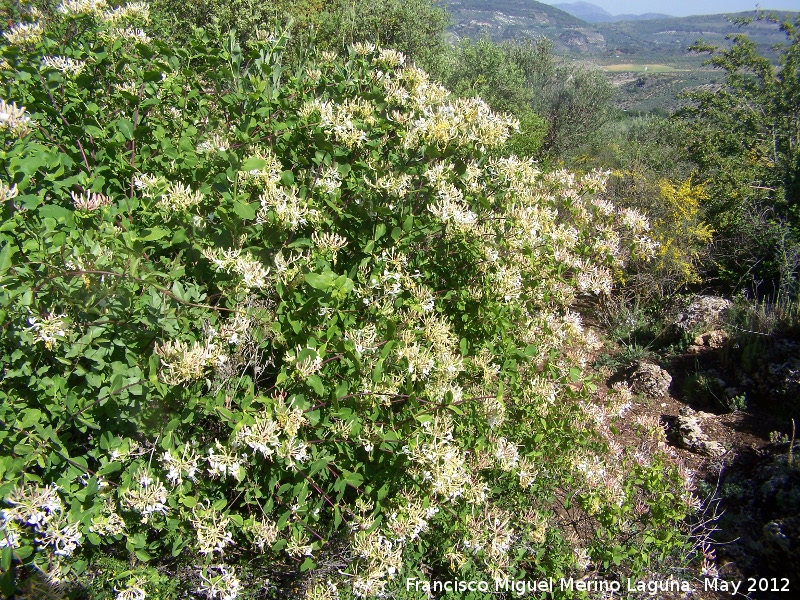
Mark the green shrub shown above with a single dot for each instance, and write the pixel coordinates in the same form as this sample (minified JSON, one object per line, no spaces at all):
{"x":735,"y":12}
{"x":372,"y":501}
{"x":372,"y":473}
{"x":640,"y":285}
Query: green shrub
{"x":708,"y":391}
{"x":260,"y":323}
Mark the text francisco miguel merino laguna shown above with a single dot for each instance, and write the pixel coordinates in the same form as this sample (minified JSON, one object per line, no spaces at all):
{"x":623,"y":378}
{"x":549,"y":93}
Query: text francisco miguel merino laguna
{"x":522,"y":586}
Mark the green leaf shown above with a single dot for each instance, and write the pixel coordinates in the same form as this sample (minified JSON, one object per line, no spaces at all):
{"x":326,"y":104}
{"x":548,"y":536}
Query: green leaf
{"x":319,"y":281}
{"x":316,"y":384}
{"x":56,"y":212}
{"x":318,"y":465}
{"x":110,"y":468}
{"x":142,"y":555}
{"x":351,"y":478}
{"x":126,"y":128}
{"x":308,"y":564}
{"x":5,"y":257}
{"x":153,"y":234}
{"x":244,"y":210}
{"x":253,"y":164}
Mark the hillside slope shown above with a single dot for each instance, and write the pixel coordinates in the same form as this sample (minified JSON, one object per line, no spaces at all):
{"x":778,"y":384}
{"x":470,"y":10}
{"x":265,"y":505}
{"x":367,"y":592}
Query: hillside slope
{"x":662,"y":38}
{"x":524,"y":19}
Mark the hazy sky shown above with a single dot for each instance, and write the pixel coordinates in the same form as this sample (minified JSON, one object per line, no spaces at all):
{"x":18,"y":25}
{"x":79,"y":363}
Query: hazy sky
{"x":682,"y":8}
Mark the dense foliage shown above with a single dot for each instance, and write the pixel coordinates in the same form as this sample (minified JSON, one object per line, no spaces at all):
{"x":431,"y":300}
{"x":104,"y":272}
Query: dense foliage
{"x":260,"y":321}
{"x":744,"y":139}
{"x":560,"y":105}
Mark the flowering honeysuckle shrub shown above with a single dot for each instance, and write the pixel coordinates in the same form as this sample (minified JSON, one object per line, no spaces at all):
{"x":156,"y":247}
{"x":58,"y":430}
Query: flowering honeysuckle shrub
{"x":260,"y":322}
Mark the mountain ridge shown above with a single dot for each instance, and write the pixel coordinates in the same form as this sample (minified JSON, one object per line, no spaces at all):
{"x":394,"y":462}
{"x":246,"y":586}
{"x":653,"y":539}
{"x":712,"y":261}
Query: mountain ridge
{"x":665,"y":38}
{"x":591,"y":13}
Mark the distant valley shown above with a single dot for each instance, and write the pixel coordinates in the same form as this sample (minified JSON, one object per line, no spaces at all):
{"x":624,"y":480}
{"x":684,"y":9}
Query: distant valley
{"x":644,"y":36}
{"x":647,"y":56}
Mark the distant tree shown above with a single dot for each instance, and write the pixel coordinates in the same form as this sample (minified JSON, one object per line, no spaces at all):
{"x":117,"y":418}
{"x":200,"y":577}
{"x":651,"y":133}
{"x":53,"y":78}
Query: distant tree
{"x":486,"y":69}
{"x":559,"y":104}
{"x":745,"y":137}
{"x":414,"y":27}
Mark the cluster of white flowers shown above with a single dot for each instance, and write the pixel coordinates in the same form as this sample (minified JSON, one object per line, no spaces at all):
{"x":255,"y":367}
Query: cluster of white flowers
{"x":298,"y":545}
{"x":393,"y":184}
{"x":451,"y":209}
{"x":224,"y":462}
{"x":491,"y":533}
{"x":130,"y":34}
{"x":147,"y":496}
{"x":413,"y":90}
{"x":389,"y":58}
{"x":290,"y":210}
{"x":438,"y":459}
{"x":8,"y":192}
{"x":507,"y":454}
{"x":310,"y":364}
{"x":59,"y":535}
{"x":49,"y":329}
{"x":185,"y":463}
{"x":23,"y":34}
{"x":330,"y":180}
{"x":37,"y":506}
{"x":212,"y":530}
{"x":89,"y":201}
{"x":215,"y":143}
{"x":82,"y":7}
{"x":182,"y":362}
{"x":180,"y":197}
{"x":133,"y":591}
{"x":219,"y":581}
{"x":263,"y":436}
{"x":64,"y":64}
{"x":411,"y":518}
{"x":107,"y":522}
{"x":150,"y":185}
{"x":328,"y":241}
{"x":322,"y":591}
{"x":464,"y":121}
{"x":254,"y":275}
{"x":139,"y":11}
{"x":14,"y":118}
{"x":363,"y":339}
{"x":261,"y":177}
{"x":265,"y":533}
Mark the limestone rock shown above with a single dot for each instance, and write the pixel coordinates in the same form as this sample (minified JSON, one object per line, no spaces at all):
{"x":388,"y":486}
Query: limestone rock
{"x":780,"y":540}
{"x":690,"y":435}
{"x":702,"y":312}
{"x":714,"y":339}
{"x":648,"y":379}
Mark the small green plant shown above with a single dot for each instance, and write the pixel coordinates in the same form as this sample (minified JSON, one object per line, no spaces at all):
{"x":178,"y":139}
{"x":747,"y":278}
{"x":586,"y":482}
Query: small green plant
{"x":708,"y":390}
{"x":737,"y":402}
{"x":776,"y":437}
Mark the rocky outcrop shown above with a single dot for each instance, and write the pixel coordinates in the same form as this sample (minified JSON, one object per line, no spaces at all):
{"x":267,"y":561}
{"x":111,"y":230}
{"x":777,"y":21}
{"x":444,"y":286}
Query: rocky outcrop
{"x":763,"y":512}
{"x":714,"y":339}
{"x":689,"y":434}
{"x":702,"y":314}
{"x":648,"y":379}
